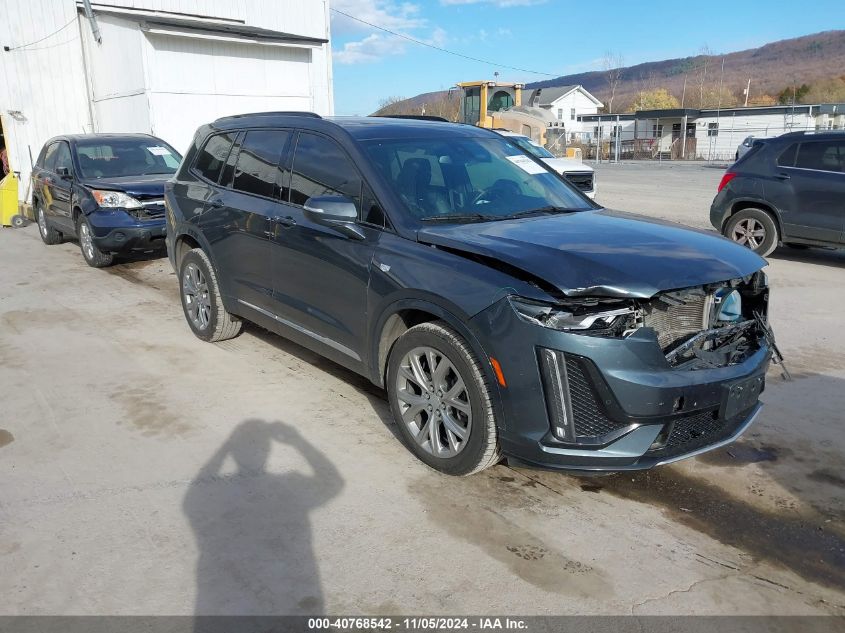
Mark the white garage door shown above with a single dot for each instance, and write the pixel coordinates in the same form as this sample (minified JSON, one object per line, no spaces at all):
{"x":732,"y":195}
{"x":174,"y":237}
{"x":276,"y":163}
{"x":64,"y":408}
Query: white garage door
{"x":194,"y":81}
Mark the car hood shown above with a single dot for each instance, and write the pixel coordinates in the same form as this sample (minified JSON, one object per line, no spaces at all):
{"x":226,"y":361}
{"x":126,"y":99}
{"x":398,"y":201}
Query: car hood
{"x":602,"y":252}
{"x":150,"y":186}
{"x":567,"y":165}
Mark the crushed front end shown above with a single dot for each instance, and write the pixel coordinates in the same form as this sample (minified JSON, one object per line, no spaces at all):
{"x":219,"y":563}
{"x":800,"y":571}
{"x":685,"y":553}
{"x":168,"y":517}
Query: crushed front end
{"x":604,"y":383}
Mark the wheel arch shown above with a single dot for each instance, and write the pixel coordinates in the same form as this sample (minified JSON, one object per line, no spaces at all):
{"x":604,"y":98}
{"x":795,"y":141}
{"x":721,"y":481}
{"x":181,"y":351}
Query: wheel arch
{"x":402,"y":315}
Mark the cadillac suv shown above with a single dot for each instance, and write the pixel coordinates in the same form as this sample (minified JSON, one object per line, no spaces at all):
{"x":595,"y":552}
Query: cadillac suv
{"x":504,"y":313}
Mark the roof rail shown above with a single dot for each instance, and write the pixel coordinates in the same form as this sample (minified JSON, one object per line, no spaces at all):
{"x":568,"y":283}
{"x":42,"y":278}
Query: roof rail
{"x":312,"y":115}
{"x":417,"y":117}
{"x":812,"y":132}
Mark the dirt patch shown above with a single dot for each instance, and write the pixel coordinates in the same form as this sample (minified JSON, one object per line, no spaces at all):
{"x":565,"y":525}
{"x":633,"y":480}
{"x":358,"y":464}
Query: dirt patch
{"x":6,"y":438}
{"x":813,"y":548}
{"x":145,"y":412}
{"x":458,"y":506}
{"x":826,"y":476}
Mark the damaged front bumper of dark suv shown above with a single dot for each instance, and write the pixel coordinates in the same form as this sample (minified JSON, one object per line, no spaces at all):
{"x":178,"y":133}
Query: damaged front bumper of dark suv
{"x":611,"y":384}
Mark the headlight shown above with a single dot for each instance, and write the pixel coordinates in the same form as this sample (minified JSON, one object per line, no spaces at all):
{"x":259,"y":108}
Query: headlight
{"x":728,"y":305}
{"x":115,"y":199}
{"x":582,"y":316}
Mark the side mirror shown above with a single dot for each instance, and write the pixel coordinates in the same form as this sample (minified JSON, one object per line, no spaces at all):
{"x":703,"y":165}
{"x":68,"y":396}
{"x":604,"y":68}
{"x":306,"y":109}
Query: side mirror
{"x":64,"y":173}
{"x":337,"y":212}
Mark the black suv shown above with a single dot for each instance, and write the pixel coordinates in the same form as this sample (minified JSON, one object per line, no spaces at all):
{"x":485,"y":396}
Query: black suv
{"x":789,"y":190}
{"x":503,"y":311}
{"x":107,"y":190}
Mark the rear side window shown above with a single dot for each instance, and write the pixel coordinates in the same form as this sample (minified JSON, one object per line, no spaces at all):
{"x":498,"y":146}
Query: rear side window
{"x":822,"y":156}
{"x":321,"y":168}
{"x":257,"y":170}
{"x":787,"y":157}
{"x":212,"y":156}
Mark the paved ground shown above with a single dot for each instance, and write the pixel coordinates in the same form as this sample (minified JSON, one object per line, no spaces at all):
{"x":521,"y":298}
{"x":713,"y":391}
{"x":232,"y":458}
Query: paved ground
{"x":145,"y":472}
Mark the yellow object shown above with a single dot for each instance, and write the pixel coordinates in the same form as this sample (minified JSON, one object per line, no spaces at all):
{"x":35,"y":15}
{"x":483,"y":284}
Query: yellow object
{"x":496,"y":105}
{"x":574,"y":152}
{"x":8,"y":199}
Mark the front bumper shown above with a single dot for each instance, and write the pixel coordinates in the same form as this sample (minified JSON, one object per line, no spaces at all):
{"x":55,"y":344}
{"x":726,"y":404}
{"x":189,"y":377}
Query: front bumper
{"x":628,"y":408}
{"x":118,"y":231}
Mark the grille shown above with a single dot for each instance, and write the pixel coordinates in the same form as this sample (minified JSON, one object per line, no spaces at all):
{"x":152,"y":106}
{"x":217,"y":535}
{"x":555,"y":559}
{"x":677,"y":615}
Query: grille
{"x":696,"y":431}
{"x":584,"y":181}
{"x":590,"y":420}
{"x":674,"y":323}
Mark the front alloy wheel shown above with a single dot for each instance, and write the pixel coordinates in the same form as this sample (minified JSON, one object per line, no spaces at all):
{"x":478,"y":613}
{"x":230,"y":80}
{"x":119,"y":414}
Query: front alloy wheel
{"x":434,"y":402}
{"x":440,"y":396}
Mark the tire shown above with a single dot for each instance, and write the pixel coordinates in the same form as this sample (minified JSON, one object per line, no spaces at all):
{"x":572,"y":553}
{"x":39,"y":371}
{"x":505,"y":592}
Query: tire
{"x":49,"y":235}
{"x":201,"y":302}
{"x":18,"y":221}
{"x":94,"y":257}
{"x":755,"y":229}
{"x":470,"y":409}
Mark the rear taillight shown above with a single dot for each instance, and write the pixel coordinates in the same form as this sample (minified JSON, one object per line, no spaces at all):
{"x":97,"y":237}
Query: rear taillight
{"x":729,"y":175}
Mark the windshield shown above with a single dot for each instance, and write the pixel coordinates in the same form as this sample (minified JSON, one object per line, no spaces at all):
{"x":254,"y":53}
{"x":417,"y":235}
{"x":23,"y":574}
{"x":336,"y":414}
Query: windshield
{"x":109,"y":158}
{"x":535,"y":150}
{"x":470,"y":179}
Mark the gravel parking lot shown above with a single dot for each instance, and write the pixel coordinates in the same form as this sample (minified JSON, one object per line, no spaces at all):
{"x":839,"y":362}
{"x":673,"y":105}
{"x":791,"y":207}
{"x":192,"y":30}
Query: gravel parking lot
{"x":145,"y":472}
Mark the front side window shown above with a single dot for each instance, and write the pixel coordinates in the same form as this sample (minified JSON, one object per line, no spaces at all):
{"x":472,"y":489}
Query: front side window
{"x":257,"y":169}
{"x":109,"y":158}
{"x":822,"y":156}
{"x":50,"y":157}
{"x":482,"y":179}
{"x":322,"y":168}
{"x":63,"y":159}
{"x":211,"y":157}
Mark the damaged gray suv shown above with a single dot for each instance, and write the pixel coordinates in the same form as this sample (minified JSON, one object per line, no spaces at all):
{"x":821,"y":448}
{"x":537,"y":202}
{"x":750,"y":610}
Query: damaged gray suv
{"x":504,"y":313}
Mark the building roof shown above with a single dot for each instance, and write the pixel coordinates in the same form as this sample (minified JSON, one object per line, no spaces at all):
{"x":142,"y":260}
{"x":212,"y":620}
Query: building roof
{"x":551,"y":94}
{"x":204,"y":25}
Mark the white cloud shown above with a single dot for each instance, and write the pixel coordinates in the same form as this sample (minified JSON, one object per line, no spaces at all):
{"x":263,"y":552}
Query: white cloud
{"x":376,"y":46}
{"x":384,"y":13}
{"x":403,"y":18}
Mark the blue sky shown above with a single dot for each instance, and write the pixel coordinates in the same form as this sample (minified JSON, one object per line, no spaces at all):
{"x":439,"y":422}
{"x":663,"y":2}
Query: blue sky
{"x":548,"y":36}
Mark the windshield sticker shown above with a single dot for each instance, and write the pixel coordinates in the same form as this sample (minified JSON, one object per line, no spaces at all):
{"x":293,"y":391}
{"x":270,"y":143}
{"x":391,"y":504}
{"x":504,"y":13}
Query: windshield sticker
{"x":526,"y":164}
{"x":159,"y":151}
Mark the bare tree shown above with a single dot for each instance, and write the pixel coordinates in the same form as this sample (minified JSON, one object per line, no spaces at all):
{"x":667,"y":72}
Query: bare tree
{"x":701,"y":73}
{"x":391,"y":105}
{"x":612,"y":64}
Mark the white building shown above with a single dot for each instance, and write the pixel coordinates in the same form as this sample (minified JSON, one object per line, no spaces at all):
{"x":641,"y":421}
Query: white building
{"x":154,"y":66}
{"x":703,"y":134}
{"x":567,"y":104}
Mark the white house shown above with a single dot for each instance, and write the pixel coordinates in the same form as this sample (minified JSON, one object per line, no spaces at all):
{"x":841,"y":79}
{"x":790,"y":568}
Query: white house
{"x":162,"y":67}
{"x":567,"y":104}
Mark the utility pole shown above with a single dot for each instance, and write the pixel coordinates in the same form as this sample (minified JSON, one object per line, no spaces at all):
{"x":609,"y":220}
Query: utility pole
{"x":747,"y":91}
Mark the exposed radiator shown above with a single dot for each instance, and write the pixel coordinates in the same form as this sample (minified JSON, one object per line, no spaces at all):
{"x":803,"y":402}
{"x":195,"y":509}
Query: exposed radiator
{"x":674,"y":323}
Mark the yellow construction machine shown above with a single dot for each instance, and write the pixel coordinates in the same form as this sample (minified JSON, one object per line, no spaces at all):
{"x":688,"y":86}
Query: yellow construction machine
{"x":495,"y":105}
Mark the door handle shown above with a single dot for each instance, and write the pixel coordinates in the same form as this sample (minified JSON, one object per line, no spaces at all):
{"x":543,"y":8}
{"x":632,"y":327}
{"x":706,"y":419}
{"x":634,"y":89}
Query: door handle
{"x":783,"y":176}
{"x":215,"y":204}
{"x":286,"y":221}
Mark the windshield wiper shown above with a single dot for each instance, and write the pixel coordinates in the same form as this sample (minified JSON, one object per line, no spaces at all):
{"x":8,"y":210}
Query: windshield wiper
{"x":467,"y":217}
{"x":538,"y":211}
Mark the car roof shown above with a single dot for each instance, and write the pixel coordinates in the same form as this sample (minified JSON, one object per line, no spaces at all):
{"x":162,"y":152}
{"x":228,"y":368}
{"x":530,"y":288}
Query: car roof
{"x":358,"y":127}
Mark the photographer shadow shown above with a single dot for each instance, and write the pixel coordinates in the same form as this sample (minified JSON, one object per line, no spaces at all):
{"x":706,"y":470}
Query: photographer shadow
{"x":253,"y":527}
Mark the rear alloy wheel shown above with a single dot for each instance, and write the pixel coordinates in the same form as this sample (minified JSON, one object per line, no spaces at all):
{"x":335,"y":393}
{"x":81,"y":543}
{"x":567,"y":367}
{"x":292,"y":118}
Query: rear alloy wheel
{"x":440,"y":400}
{"x":49,"y":235}
{"x":201,"y":302}
{"x":93,"y":255}
{"x":755,"y":229}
